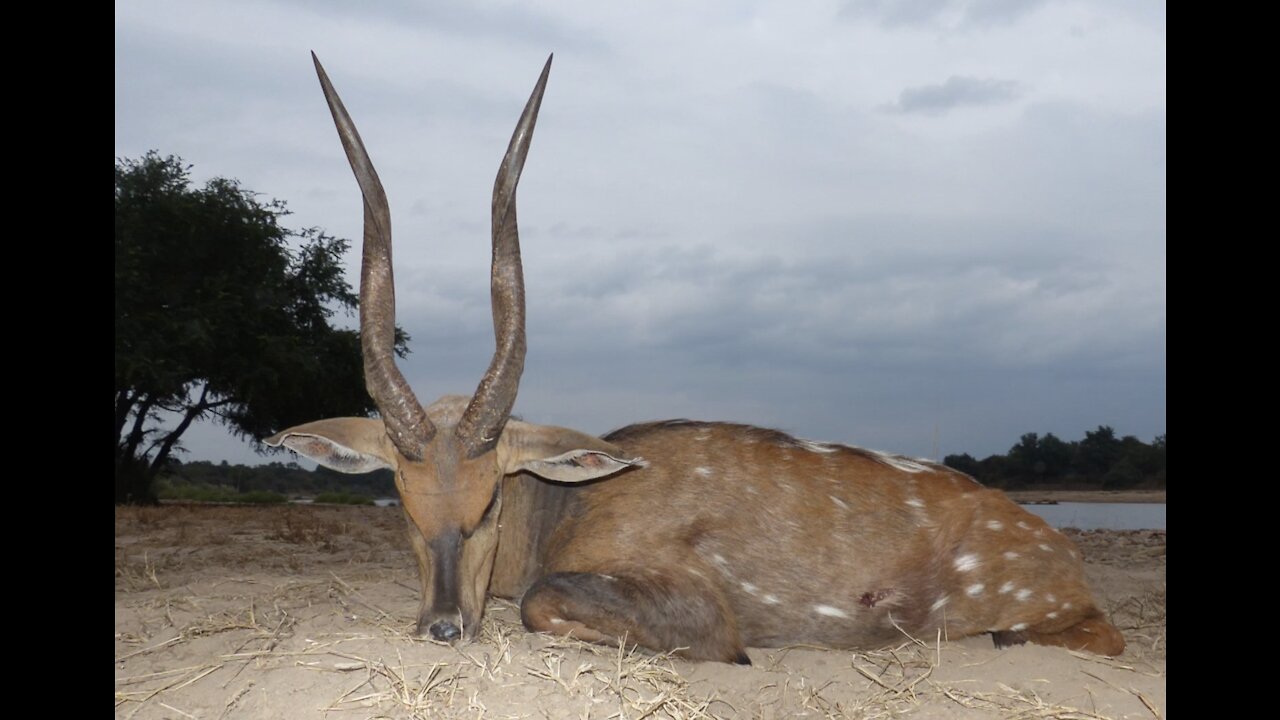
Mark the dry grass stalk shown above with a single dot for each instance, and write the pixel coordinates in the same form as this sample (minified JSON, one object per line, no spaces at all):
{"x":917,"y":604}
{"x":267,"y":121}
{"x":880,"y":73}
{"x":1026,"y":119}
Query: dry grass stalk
{"x":355,"y":595}
{"x":183,"y":714}
{"x":1147,"y":703}
{"x":1016,"y":705}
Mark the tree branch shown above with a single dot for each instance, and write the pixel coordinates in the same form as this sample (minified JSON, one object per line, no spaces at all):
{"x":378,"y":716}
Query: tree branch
{"x":193,"y":412}
{"x":137,"y":433}
{"x":124,"y":401}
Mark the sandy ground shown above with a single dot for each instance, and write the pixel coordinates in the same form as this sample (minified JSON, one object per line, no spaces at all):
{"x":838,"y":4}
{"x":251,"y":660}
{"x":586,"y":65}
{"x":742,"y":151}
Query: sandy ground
{"x":305,"y":612}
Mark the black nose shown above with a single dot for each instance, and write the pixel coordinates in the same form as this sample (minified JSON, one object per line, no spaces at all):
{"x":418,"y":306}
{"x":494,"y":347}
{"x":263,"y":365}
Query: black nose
{"x":445,"y":631}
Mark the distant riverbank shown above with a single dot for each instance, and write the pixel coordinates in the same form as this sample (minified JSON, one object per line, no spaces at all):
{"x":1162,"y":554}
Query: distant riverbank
{"x":1087,"y":496}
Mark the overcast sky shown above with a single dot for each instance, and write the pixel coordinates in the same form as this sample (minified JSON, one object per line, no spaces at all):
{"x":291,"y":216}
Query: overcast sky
{"x":925,"y":226}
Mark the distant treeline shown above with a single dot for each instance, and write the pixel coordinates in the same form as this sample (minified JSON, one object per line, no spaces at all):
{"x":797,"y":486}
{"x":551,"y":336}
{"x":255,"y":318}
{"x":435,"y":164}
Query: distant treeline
{"x":283,"y":478}
{"x":1100,"y":460}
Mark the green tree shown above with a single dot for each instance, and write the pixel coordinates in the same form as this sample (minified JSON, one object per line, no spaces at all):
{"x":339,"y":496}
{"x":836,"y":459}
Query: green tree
{"x":963,"y":462}
{"x":1055,"y":456}
{"x":221,"y":312}
{"x":1024,"y":459}
{"x":1097,"y":452}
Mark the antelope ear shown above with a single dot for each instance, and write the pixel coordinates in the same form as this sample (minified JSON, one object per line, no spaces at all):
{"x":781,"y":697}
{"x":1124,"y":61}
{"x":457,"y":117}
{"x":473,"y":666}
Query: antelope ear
{"x":559,"y":454}
{"x":349,"y":445}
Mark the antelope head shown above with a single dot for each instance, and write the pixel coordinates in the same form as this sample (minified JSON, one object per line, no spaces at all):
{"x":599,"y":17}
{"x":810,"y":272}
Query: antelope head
{"x":448,"y":458}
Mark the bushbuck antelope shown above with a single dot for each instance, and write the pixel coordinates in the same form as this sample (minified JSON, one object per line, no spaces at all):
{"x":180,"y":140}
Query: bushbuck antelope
{"x":723,"y":537}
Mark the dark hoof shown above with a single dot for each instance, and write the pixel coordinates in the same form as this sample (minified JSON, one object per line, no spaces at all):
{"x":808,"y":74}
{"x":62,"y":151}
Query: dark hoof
{"x":1007,"y":638}
{"x":445,"y":631}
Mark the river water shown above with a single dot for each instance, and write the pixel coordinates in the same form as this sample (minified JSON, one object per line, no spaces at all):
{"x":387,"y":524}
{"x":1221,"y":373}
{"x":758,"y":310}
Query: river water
{"x":1102,"y":516}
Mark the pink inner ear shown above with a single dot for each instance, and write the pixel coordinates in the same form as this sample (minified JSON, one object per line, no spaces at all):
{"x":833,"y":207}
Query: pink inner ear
{"x":591,"y":460}
{"x":309,"y":446}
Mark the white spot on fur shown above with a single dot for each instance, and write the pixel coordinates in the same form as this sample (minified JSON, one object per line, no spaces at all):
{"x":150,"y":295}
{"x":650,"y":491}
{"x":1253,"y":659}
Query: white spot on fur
{"x":900,"y":463}
{"x":1019,"y":627}
{"x":750,"y":490}
{"x":1011,"y":555}
{"x":839,"y":503}
{"x":1023,"y":594}
{"x":995,"y":525}
{"x":939,"y":603}
{"x":770,"y":599}
{"x":703,"y":471}
{"x":1045,"y":548}
{"x":1050,"y":598}
{"x":609,"y":577}
{"x":1072,"y":553}
{"x":965,"y":563}
{"x":1066,"y":606}
{"x":1052,"y":615}
{"x":818,"y":447}
{"x":830,"y":611}
{"x":1006,"y":588}
{"x":974,"y":590}
{"x":915,"y":502}
{"x":749,"y":588}
{"x":556,"y":621}
{"x":1023,"y":525}
{"x":718,"y":559}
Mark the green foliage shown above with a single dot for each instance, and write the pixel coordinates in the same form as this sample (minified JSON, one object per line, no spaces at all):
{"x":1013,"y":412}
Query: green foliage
{"x":221,"y":312}
{"x":1099,"y":460}
{"x":282,"y":478}
{"x":965,"y":463}
{"x":217,"y":493}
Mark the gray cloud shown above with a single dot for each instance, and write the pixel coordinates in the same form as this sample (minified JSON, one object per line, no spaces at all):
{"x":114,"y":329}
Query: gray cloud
{"x":717,"y":219}
{"x":957,"y":91}
{"x":940,"y":13}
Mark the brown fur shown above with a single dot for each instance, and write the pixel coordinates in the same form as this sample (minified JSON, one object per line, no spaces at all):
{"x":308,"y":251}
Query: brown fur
{"x":755,"y":550}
